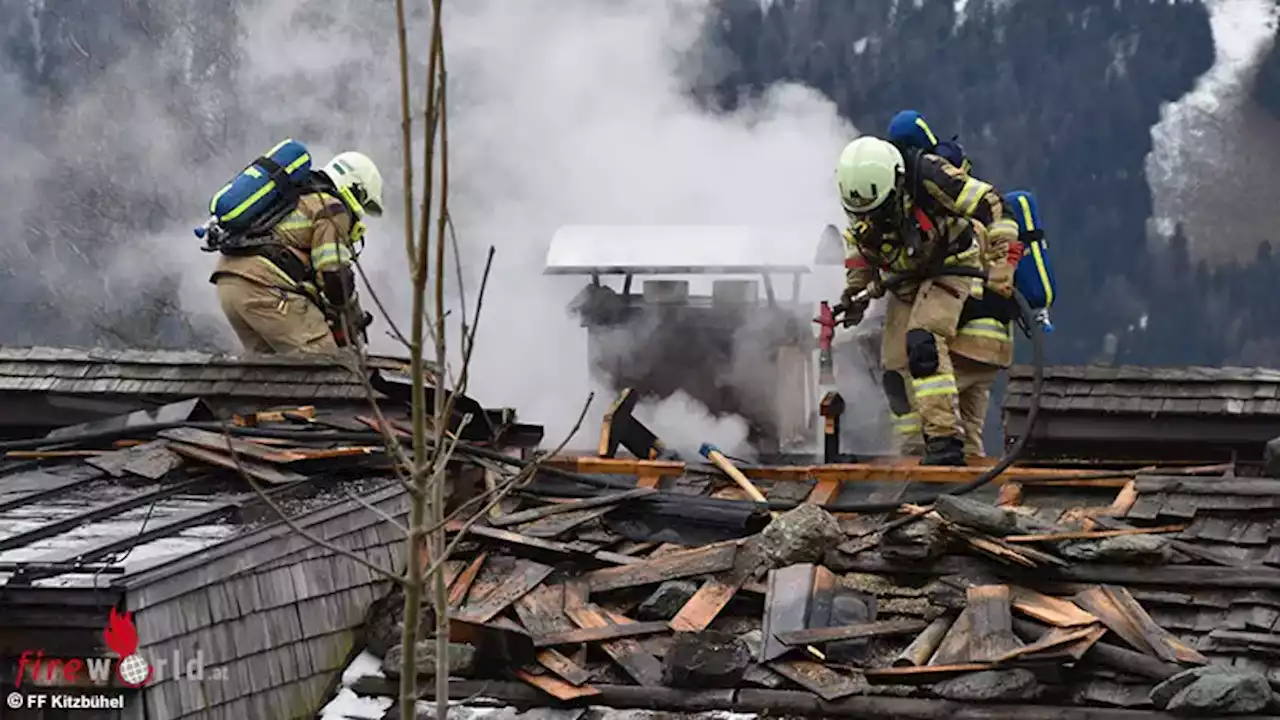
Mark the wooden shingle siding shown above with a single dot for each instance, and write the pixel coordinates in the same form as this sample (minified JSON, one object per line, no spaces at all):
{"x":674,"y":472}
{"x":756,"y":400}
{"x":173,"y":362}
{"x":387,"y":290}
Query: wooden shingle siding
{"x":180,"y":374}
{"x":1150,"y":413}
{"x":277,"y":612}
{"x":1126,"y":389}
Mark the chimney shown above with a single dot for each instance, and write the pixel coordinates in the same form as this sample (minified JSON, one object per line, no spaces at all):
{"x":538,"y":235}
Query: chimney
{"x":666,"y":292}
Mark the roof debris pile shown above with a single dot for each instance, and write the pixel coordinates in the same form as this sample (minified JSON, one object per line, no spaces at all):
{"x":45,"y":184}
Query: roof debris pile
{"x":1054,"y":600}
{"x":156,"y":484}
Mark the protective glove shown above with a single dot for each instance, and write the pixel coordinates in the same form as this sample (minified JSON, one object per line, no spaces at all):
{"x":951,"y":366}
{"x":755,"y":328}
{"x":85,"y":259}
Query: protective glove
{"x":1000,"y":280}
{"x":854,"y":310}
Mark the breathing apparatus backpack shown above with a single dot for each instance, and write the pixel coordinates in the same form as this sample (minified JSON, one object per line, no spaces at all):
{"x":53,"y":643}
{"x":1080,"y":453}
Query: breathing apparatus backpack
{"x":1034,"y":275}
{"x":260,"y":196}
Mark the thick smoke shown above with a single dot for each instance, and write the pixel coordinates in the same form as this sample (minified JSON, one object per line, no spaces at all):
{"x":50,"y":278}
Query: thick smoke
{"x":574,"y":114}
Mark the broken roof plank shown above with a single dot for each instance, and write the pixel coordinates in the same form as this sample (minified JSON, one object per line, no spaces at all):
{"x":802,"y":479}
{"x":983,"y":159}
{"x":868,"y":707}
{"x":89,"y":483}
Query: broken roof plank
{"x":1058,"y":639}
{"x":992,"y":622}
{"x":541,"y":610}
{"x":596,"y":634}
{"x":152,"y":460}
{"x":567,"y":669}
{"x":503,"y":588}
{"x":1103,"y":605}
{"x":257,"y":471}
{"x":462,"y":583}
{"x":592,"y":502}
{"x":858,"y":472}
{"x":627,"y":653}
{"x":882,"y":628}
{"x":1052,"y":610}
{"x":701,"y":609}
{"x":227,"y":445}
{"x":1163,"y":643}
{"x":786,"y":607}
{"x":556,"y":687}
{"x":682,"y":564}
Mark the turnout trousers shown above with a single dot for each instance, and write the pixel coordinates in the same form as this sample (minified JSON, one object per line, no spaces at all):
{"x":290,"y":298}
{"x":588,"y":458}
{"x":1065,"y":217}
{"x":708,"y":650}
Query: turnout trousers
{"x":920,"y":381}
{"x":271,"y":320}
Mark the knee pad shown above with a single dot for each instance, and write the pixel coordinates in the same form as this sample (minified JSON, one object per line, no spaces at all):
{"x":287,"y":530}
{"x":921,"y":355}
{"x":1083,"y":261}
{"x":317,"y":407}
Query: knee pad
{"x":895,"y":391}
{"x":922,"y":353}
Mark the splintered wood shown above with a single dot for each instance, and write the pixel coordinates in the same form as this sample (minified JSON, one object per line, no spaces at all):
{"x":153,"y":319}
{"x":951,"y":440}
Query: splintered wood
{"x":716,"y":592}
{"x":1117,"y":609}
{"x":703,"y":561}
{"x":1044,"y":608}
{"x":884,"y":628}
{"x":640,"y":665}
{"x":500,"y":584}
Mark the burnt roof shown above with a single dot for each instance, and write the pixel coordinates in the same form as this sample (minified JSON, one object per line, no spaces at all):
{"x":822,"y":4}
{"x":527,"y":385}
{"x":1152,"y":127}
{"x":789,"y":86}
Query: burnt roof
{"x":1207,"y":596}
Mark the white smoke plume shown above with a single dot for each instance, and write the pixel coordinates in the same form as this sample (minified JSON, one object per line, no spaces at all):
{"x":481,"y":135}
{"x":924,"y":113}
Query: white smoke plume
{"x":575,"y":112}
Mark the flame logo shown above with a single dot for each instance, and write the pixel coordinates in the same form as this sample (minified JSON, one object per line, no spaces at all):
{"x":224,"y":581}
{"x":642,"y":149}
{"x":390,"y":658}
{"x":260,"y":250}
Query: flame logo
{"x":120,"y":634}
{"x":133,"y":670}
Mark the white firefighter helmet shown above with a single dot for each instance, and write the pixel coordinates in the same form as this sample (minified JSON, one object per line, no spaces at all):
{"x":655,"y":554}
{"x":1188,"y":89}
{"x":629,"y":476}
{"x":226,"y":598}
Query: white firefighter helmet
{"x":867,"y":173}
{"x":357,"y":177}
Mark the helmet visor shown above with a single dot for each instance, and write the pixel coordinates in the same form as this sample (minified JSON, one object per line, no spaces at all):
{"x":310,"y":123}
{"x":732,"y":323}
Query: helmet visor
{"x":371,"y":206}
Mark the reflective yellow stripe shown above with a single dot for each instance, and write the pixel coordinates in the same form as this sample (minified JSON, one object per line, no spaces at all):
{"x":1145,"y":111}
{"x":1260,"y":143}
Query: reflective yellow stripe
{"x":920,"y":123}
{"x":1026,"y":213}
{"x":976,"y":289}
{"x":988,"y":328}
{"x":330,"y":255}
{"x":906,"y":424}
{"x":961,"y":256}
{"x":1044,"y":273}
{"x":935,"y":385}
{"x":262,"y":191}
{"x":971,"y":195}
{"x":296,"y":220}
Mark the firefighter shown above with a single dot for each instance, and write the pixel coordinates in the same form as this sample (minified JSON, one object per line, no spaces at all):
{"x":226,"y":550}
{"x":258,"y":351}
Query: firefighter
{"x":915,"y":214}
{"x":983,"y":345}
{"x":293,"y":293}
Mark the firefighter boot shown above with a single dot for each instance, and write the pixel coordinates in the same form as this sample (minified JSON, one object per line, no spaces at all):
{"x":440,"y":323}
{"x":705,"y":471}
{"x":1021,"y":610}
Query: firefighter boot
{"x":944,"y":451}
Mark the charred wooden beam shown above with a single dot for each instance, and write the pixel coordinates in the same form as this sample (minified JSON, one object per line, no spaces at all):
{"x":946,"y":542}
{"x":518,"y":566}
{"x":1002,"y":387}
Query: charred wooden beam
{"x":552,"y":509}
{"x":597,"y":634}
{"x":883,"y":628}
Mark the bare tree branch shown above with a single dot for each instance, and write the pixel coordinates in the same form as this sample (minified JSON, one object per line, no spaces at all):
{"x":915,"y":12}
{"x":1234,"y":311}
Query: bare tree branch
{"x":525,"y":473}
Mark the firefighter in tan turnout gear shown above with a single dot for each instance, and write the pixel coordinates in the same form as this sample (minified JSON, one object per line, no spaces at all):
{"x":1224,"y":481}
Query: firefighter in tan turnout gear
{"x":290,"y":287}
{"x":983,"y":344}
{"x":918,"y":214}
